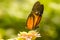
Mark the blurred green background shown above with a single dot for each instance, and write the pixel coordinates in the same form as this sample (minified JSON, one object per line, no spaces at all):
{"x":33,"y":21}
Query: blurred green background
{"x":14,"y":13}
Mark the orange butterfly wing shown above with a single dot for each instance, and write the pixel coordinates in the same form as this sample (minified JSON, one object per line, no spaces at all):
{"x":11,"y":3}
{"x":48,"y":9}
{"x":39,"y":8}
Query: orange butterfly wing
{"x":36,"y":20}
{"x":33,"y":21}
{"x":30,"y":22}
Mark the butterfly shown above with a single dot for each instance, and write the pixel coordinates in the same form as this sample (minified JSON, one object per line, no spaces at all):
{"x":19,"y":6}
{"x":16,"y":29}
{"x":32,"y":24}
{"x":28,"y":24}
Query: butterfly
{"x":35,"y":16}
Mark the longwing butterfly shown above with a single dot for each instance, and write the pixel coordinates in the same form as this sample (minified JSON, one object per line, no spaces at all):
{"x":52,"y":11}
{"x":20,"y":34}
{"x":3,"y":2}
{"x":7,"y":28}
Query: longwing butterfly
{"x":35,"y":16}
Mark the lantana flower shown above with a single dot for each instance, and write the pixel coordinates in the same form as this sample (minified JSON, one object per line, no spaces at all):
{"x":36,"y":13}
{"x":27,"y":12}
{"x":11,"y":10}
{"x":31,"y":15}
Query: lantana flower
{"x":31,"y":35}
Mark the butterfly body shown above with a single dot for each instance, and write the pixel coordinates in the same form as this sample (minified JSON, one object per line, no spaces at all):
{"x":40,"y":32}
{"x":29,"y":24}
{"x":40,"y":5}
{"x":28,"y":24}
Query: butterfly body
{"x":35,"y":16}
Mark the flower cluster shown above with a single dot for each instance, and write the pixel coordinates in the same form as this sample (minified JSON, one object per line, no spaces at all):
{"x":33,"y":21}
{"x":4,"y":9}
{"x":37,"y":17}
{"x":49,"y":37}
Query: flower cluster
{"x":31,"y":35}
